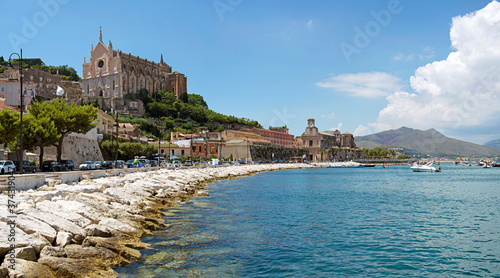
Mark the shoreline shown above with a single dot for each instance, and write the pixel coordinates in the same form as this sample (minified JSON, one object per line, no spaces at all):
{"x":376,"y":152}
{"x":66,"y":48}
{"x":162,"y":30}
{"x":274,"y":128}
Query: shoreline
{"x":86,"y":228}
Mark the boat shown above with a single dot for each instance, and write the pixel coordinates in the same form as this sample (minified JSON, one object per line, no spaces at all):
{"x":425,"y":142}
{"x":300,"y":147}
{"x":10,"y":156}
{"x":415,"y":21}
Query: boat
{"x":425,"y":168}
{"x":386,"y":166}
{"x":487,"y":165}
{"x":368,"y":165}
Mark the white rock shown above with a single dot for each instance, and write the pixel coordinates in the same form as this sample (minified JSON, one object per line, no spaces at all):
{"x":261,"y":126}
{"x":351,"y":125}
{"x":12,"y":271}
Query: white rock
{"x":63,"y":238}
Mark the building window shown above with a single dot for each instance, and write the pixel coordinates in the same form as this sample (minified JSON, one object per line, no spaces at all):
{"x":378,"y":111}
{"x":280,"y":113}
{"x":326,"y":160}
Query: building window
{"x":182,"y":152}
{"x":41,"y":79}
{"x":3,"y":89}
{"x":200,"y":149}
{"x":310,"y":143}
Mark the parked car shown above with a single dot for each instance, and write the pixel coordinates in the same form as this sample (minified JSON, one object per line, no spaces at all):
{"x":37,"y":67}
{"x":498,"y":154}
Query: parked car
{"x":153,"y":163}
{"x":98,"y":164}
{"x":107,"y":165}
{"x":88,"y":165}
{"x":27,"y":166}
{"x":51,"y":165}
{"x":120,"y":164}
{"x":129,"y":163}
{"x":67,"y":164}
{"x":176,"y":163}
{"x":7,"y":166}
{"x":188,"y":163}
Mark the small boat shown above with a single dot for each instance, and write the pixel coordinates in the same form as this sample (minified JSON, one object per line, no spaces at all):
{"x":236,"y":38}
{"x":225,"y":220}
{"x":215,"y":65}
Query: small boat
{"x":368,"y":165}
{"x":386,"y":166}
{"x":425,"y":168}
{"x":487,"y":165}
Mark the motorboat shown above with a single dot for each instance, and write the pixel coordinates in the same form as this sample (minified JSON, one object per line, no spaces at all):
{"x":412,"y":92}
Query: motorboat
{"x":487,"y":165}
{"x":425,"y":168}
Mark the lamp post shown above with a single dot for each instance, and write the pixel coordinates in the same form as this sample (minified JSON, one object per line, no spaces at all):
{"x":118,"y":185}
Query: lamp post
{"x":22,"y":104}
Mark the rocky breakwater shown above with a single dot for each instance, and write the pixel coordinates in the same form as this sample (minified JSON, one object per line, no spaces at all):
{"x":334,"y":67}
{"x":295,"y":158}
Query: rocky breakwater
{"x":84,"y":229}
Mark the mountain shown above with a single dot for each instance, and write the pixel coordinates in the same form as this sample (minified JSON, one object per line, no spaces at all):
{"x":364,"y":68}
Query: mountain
{"x":493,"y":144}
{"x":429,"y":142}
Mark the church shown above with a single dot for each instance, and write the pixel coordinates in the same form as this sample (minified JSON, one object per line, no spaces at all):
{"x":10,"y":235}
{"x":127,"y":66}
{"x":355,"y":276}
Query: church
{"x":322,"y":146}
{"x":111,"y":74}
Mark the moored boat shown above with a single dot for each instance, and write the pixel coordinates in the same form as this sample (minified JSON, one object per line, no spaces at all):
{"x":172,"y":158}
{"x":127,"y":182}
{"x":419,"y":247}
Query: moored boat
{"x":425,"y":168}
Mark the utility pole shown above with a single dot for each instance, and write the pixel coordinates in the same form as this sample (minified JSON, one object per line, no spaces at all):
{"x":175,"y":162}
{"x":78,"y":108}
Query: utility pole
{"x":116,"y":148}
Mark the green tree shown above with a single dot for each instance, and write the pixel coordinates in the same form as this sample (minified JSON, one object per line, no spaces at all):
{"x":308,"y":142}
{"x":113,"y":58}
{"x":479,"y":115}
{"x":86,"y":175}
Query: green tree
{"x":40,"y":132}
{"x":67,"y":118}
{"x":9,"y":127}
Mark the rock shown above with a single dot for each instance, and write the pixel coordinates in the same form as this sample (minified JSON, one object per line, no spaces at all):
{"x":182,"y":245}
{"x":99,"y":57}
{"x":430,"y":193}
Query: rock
{"x":202,"y":193}
{"x":25,"y":269}
{"x":26,"y":253}
{"x":98,"y":230}
{"x":22,"y":239}
{"x":31,"y":225}
{"x":98,"y":254}
{"x":63,"y":238}
{"x":61,"y":211}
{"x":51,"y":251}
{"x":114,"y":244}
{"x":118,"y":227}
{"x":67,"y":267}
{"x":57,"y":222}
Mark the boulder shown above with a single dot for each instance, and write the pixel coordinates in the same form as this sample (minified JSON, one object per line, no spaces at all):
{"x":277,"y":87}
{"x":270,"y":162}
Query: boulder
{"x":67,"y":267}
{"x":98,"y":230}
{"x":25,"y":269}
{"x":117,"y":245}
{"x":22,"y":239}
{"x":119,"y":226}
{"x":61,"y":211}
{"x":51,"y":251}
{"x":57,"y":222}
{"x":26,"y":253}
{"x":63,"y":238}
{"x":97,"y":254}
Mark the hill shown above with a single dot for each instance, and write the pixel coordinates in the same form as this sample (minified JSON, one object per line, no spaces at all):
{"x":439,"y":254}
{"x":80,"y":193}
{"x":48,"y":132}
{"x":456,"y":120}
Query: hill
{"x":493,"y":144}
{"x":429,"y":142}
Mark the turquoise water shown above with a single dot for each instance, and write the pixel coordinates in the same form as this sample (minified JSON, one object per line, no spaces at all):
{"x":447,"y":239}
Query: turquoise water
{"x":358,"y":222}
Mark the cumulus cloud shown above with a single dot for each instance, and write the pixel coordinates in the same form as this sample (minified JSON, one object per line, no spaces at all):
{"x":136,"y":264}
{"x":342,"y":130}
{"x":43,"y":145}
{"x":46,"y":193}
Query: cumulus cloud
{"x":362,"y":131}
{"x":338,"y":127}
{"x":367,"y":85}
{"x":462,"y":90}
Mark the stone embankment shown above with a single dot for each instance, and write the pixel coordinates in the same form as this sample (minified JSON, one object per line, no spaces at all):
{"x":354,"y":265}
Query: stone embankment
{"x":86,"y":228}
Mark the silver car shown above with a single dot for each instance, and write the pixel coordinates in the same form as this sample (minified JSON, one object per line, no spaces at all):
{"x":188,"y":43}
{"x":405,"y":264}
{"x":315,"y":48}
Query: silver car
{"x":7,"y":166}
{"x":88,"y":165}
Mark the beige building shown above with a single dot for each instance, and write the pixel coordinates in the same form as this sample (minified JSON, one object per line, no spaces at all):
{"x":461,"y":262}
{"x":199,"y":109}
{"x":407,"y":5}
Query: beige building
{"x":104,"y":123}
{"x":111,"y":74}
{"x":45,"y":83}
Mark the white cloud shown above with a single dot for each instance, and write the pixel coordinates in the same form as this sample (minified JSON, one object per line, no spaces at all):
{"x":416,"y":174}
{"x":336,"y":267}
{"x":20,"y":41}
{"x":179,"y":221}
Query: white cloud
{"x":368,"y":85}
{"x":427,"y":53}
{"x":338,"y":127}
{"x":328,"y":116}
{"x":462,"y":90}
{"x":309,"y":24}
{"x":362,"y":130}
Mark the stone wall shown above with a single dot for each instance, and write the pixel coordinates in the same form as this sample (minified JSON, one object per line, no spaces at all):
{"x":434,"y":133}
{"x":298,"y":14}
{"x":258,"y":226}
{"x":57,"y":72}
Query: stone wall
{"x":76,"y":148}
{"x":261,"y":153}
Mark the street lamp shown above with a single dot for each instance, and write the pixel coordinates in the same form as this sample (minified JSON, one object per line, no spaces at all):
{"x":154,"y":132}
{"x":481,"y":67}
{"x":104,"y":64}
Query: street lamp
{"x":22,"y":104}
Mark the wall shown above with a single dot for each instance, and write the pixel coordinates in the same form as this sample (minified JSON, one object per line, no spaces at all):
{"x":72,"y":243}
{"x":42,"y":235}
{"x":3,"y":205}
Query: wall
{"x":280,"y":153}
{"x":79,"y":149}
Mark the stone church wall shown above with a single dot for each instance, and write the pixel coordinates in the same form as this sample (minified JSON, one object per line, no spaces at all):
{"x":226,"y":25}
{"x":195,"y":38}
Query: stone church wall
{"x":79,"y":149}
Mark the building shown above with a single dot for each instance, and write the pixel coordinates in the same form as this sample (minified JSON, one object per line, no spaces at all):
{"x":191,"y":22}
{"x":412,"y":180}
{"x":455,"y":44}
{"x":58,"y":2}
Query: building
{"x":111,"y":74}
{"x":325,"y":146}
{"x":276,"y":138}
{"x":45,"y":83}
{"x":128,"y":130}
{"x":10,"y":90}
{"x":105,"y":123}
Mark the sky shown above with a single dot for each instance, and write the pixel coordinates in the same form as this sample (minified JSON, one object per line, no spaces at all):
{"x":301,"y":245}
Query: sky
{"x":360,"y":66}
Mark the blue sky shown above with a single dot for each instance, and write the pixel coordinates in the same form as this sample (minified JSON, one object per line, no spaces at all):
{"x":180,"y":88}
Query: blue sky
{"x":282,"y":62}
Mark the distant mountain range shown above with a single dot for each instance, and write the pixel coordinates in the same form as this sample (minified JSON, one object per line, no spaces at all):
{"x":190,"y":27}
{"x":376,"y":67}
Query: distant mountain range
{"x":425,"y":141}
{"x":493,"y":144}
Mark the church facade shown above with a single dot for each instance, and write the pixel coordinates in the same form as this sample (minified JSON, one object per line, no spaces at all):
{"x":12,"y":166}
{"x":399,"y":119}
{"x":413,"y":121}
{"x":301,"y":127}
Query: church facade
{"x":111,"y":74}
{"x":325,"y":146}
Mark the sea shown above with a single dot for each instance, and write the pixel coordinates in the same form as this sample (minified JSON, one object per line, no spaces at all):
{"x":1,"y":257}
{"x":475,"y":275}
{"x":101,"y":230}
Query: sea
{"x":333,"y":222}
